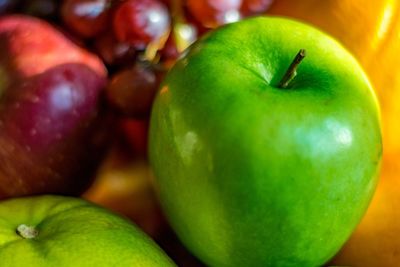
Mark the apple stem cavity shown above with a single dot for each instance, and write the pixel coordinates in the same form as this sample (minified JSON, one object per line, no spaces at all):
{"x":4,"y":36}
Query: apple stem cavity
{"x":27,"y":232}
{"x":292,"y":70}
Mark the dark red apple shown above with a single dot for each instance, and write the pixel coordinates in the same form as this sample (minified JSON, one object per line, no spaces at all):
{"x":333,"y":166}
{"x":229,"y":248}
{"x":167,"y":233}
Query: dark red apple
{"x":52,"y":121}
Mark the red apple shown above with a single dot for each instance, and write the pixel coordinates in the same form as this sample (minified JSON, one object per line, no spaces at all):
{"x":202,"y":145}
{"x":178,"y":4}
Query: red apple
{"x":52,"y":121}
{"x":29,"y":46}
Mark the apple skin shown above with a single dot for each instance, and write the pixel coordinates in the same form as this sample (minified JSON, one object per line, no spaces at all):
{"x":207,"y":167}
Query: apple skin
{"x":54,"y":127}
{"x":30,"y":46}
{"x":72,"y":232}
{"x":250,"y":174}
{"x":52,"y":132}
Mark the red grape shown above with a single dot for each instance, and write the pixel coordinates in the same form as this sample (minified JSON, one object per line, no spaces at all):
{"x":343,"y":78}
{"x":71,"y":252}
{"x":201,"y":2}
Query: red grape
{"x":139,"y":22}
{"x":253,"y":7}
{"x":7,"y":5}
{"x":131,"y":91}
{"x":170,"y":51}
{"x":136,"y":134}
{"x":87,"y":18}
{"x":213,"y":13}
{"x":112,"y":51}
{"x":183,"y":35}
{"x":41,"y":8}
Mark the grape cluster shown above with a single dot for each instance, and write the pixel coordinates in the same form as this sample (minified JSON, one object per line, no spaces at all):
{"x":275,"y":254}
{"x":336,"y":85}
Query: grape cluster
{"x":138,"y":40}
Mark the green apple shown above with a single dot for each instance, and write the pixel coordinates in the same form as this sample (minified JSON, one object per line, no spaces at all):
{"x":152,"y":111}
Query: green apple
{"x":257,"y":166}
{"x":61,"y":231}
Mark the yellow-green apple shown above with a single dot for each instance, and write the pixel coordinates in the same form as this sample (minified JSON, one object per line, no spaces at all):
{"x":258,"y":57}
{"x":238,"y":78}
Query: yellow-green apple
{"x":261,"y":160}
{"x":61,"y":231}
{"x":51,"y":113}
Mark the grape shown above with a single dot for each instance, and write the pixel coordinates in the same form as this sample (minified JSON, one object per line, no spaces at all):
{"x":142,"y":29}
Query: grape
{"x":254,"y":7}
{"x":41,"y":8}
{"x":87,"y":18}
{"x":7,"y":6}
{"x":141,"y":22}
{"x":136,"y":135}
{"x":213,"y":13}
{"x":112,"y":51}
{"x":170,"y":52}
{"x":131,"y":91}
{"x":168,"y":3}
{"x":183,"y":35}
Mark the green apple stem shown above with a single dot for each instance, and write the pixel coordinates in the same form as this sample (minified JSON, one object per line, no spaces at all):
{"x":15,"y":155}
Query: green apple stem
{"x":27,"y":232}
{"x":292,"y":70}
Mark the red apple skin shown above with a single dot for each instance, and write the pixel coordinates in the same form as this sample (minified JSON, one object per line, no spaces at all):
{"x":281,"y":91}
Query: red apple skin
{"x":52,"y":132}
{"x":54,"y":127}
{"x":30,"y":46}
